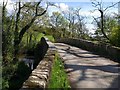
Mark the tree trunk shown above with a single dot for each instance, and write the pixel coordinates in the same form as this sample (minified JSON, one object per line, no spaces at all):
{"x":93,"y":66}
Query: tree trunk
{"x":102,"y":25}
{"x":16,"y":34}
{"x":3,"y":32}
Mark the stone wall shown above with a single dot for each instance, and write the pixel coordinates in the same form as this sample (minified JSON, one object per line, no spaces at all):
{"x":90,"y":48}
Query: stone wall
{"x":39,"y":77}
{"x":108,"y":51}
{"x":40,"y":51}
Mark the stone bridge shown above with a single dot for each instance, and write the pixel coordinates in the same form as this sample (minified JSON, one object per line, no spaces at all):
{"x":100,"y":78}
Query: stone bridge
{"x":88,"y":69}
{"x":85,"y":68}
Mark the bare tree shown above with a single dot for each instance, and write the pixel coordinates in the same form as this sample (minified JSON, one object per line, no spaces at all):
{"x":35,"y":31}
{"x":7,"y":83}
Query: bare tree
{"x":70,"y":17}
{"x":80,"y":22}
{"x":99,"y":6}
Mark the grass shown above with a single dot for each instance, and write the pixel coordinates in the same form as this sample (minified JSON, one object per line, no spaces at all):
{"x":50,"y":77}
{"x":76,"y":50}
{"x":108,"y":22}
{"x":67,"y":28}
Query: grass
{"x":40,"y":35}
{"x":51,"y":38}
{"x":36,"y":37}
{"x":58,"y":77}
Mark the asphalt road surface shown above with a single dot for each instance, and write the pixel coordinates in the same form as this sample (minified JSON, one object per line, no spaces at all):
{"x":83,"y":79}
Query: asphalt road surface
{"x":87,"y":70}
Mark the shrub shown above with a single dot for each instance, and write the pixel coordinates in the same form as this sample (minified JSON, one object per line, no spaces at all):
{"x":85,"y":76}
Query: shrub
{"x":115,"y":36}
{"x":21,"y":74}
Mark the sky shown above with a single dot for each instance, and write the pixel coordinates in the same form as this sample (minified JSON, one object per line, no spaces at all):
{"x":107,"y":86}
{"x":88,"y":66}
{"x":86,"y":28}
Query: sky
{"x":85,"y":5}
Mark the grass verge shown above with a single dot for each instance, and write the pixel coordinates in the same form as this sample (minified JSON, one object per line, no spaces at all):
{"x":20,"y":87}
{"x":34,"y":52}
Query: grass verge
{"x":58,"y":76}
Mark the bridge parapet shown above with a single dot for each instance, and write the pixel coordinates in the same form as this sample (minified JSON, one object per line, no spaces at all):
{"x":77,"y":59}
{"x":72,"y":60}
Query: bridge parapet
{"x":111,"y":52}
{"x":39,"y":77}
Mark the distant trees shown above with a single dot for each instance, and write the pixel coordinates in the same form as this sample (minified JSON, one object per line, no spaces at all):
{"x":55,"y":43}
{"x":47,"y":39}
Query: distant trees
{"x":69,"y":24}
{"x":70,"y":17}
{"x":81,"y":25}
{"x":76,"y":24}
{"x":59,"y":24}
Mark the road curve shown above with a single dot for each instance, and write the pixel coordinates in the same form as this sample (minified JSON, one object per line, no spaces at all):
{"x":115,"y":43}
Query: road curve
{"x":87,"y":70}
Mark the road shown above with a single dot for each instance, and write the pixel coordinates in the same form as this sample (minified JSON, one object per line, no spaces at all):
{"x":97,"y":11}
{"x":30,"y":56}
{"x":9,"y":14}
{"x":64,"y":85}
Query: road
{"x":87,"y":70}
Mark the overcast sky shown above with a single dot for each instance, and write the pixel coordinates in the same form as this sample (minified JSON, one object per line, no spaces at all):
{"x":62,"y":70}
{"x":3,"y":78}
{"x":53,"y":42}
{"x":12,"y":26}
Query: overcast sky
{"x":64,"y":5}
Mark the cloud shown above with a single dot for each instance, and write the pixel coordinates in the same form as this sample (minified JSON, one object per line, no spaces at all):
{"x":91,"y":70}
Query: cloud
{"x":56,"y":4}
{"x":90,"y":14}
{"x":63,"y":7}
{"x":59,"y":8}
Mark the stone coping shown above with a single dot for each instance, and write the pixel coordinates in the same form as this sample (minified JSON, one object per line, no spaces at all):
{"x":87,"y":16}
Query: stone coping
{"x":39,"y":77}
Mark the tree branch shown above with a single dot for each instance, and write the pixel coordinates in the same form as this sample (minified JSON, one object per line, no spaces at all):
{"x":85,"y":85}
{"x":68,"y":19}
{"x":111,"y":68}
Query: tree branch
{"x":110,"y":6}
{"x":98,"y":24}
{"x":36,"y":14}
{"x":24,"y":29}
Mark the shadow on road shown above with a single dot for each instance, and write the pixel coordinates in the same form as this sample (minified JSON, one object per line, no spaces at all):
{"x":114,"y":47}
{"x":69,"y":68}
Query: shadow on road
{"x":79,"y":54}
{"x":82,"y":62}
{"x":104,"y":68}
